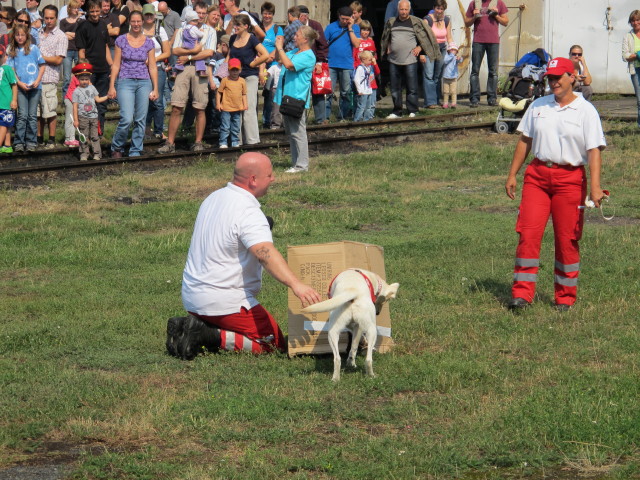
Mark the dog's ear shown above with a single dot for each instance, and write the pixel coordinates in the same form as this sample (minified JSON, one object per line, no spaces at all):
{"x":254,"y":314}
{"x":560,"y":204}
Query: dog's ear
{"x":391,"y":291}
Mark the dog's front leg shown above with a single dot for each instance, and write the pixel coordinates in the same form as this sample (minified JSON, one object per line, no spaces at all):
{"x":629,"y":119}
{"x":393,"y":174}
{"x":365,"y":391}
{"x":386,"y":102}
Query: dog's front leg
{"x":334,"y":336}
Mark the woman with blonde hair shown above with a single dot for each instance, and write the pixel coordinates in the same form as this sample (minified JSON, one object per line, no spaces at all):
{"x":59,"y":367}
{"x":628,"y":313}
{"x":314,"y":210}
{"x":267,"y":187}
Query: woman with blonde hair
{"x":27,"y":62}
{"x":295,"y":82}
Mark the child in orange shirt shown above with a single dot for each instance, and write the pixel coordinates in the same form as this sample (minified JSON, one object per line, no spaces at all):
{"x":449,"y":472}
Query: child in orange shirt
{"x":231,"y":101}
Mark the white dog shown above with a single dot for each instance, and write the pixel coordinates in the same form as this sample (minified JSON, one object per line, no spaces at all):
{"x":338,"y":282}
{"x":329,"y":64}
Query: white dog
{"x":355,"y":298}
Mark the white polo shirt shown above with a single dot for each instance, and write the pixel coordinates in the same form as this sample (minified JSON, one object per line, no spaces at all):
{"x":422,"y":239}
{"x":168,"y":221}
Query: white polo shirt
{"x":562,"y":134}
{"x":221,"y":275}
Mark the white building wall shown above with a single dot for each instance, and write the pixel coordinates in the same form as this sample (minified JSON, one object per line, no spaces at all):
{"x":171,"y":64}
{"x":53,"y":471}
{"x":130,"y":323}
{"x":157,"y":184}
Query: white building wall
{"x":599,"y":26}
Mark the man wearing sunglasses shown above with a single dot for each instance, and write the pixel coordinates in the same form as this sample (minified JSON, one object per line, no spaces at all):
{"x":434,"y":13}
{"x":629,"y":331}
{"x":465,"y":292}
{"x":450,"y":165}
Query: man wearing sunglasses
{"x":583,"y":79}
{"x":32,"y":8}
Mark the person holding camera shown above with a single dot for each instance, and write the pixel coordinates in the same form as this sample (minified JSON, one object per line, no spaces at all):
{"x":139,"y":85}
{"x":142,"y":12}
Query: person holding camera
{"x":486,"y":16}
{"x":583,"y":79}
{"x":295,"y":81}
{"x":342,"y":37}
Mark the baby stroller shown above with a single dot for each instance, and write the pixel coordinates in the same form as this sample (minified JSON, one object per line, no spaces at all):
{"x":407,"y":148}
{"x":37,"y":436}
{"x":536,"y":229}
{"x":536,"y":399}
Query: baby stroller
{"x":524,"y":85}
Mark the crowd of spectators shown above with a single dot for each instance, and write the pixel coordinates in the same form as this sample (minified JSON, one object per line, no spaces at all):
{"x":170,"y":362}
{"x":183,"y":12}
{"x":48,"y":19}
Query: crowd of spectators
{"x":147,"y":58}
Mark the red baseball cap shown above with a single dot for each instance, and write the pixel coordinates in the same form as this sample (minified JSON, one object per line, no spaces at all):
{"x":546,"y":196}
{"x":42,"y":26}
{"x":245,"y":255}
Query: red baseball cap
{"x":235,"y":63}
{"x":559,"y":66}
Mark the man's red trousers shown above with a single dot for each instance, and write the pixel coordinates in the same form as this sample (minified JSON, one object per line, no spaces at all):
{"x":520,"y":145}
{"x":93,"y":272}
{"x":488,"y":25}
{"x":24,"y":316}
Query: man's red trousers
{"x":255,"y":325}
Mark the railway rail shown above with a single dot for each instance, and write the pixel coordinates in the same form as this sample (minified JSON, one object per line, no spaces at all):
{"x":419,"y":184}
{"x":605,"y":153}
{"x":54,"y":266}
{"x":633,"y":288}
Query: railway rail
{"x":42,"y":165}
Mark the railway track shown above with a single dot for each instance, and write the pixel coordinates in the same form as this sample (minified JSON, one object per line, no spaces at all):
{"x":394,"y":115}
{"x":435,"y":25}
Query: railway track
{"x":42,"y":165}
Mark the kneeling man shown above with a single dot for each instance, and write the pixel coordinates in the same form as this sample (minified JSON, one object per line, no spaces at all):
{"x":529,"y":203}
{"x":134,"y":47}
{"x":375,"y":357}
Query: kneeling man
{"x":231,"y":244}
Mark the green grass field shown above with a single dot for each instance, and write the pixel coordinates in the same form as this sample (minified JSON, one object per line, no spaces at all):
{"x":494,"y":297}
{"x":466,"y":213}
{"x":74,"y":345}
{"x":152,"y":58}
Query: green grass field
{"x":90,"y":271}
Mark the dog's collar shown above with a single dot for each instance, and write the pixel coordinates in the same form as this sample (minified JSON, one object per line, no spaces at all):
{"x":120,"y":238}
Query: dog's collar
{"x":374,"y":293}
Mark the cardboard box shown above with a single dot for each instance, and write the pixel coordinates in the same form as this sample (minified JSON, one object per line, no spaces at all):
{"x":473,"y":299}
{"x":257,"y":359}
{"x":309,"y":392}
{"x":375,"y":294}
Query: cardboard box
{"x":317,"y":265}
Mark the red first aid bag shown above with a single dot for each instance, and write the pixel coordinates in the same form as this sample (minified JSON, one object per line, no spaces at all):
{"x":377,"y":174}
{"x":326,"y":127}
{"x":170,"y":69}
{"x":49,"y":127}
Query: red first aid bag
{"x":321,"y":82}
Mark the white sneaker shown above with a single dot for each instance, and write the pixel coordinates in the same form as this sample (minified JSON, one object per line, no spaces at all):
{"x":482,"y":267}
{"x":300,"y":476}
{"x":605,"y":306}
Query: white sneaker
{"x":224,"y":146}
{"x":393,"y":115}
{"x":412,"y":115}
{"x":294,"y":170}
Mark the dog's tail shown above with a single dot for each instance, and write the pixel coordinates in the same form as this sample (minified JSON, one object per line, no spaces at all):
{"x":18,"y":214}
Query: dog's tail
{"x":332,"y":303}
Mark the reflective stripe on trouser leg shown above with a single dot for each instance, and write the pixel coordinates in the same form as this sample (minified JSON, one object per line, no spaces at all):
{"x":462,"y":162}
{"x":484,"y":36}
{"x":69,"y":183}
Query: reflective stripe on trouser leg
{"x":234,"y":342}
{"x":535,"y":209}
{"x":570,"y":190}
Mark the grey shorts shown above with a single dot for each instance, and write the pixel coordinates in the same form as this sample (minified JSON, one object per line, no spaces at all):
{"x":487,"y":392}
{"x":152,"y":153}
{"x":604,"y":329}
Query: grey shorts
{"x":188,"y":81}
{"x":48,"y":100}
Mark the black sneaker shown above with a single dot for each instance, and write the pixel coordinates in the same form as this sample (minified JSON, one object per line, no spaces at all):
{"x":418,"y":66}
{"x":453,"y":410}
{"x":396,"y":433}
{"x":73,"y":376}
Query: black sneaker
{"x":197,"y":336}
{"x":174,"y":331}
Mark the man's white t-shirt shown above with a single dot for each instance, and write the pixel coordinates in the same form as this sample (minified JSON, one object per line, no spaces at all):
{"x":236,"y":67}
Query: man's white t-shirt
{"x":221,"y":275}
{"x":228,"y":17}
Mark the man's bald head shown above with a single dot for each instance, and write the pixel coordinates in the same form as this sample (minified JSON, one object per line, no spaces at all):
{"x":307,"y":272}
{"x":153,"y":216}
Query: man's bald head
{"x":163,"y":7}
{"x":254,"y":173}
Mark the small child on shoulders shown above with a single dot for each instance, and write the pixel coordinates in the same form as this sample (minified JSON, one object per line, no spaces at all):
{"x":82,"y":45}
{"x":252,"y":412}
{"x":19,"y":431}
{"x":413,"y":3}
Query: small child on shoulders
{"x":450,"y":76}
{"x":8,"y":102}
{"x":85,"y":112}
{"x":231,"y":101}
{"x":191,"y":36}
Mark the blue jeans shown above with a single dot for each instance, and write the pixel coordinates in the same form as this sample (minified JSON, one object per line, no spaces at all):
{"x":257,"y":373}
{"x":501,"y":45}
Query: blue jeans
{"x":477,"y":54}
{"x":67,"y":64}
{"x":363,"y":106}
{"x":368,"y":115}
{"x":230,"y":126}
{"x":101,"y":82}
{"x":27,"y":121}
{"x":636,"y":89}
{"x":212,"y":115}
{"x":133,"y":97}
{"x":267,"y":109}
{"x":340,"y":77}
{"x":410,"y":75}
{"x":432,"y":78}
{"x":156,"y":108}
{"x":319,"y":107}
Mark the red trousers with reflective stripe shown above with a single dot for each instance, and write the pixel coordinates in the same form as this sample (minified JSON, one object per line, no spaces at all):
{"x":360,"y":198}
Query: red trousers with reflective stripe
{"x":255,"y":324}
{"x":557,"y":192}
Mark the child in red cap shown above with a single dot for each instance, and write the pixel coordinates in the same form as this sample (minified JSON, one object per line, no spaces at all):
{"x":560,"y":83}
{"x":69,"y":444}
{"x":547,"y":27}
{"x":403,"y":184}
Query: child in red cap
{"x":231,"y":101}
{"x":85,"y":112}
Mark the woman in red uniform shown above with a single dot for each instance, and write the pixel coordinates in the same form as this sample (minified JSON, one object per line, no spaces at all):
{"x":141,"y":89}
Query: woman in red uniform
{"x":564,"y":133}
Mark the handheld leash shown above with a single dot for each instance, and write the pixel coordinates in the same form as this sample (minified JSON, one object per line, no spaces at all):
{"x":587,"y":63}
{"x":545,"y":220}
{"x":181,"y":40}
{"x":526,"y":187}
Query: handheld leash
{"x":588,"y":203}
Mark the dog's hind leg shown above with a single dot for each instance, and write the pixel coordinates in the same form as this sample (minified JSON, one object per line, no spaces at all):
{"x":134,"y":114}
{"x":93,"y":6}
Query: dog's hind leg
{"x":334,"y":336}
{"x":372,"y":336}
{"x":355,"y":342}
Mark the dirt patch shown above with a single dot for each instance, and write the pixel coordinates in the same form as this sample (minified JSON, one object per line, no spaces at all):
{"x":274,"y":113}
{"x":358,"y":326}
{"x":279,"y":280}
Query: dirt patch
{"x":135,"y":200}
